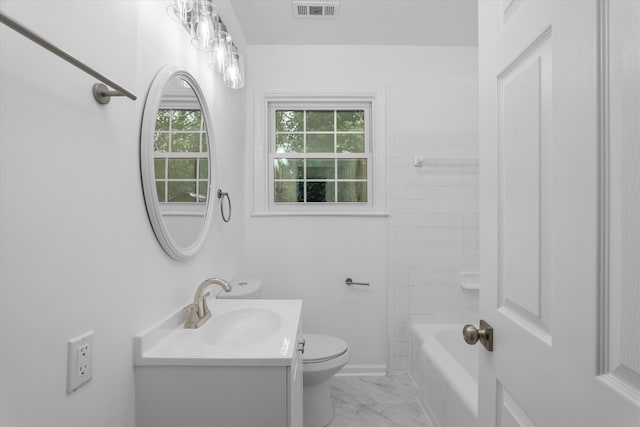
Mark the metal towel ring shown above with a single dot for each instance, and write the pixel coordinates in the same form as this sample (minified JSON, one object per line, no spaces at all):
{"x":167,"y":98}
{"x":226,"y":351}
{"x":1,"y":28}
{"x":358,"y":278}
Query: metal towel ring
{"x":222,"y":195}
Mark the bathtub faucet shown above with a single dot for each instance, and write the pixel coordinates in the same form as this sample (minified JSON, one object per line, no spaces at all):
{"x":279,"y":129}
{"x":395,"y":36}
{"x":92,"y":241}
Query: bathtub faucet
{"x":198,"y":311}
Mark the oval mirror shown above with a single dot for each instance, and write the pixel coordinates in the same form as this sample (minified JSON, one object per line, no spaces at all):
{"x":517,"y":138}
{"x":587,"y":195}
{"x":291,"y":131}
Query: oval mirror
{"x":176,"y":157}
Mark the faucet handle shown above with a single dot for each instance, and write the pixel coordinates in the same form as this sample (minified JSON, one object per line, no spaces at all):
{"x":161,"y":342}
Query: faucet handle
{"x":192,"y":320}
{"x":190,"y":307}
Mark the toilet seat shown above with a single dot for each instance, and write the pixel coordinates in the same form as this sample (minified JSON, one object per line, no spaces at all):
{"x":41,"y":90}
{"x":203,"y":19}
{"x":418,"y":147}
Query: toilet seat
{"x":321,"y":348}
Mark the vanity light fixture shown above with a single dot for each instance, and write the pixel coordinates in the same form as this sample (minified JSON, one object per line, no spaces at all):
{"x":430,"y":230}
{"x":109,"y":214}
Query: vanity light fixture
{"x":208,"y":33}
{"x":233,"y":75}
{"x":202,"y":32}
{"x":183,"y":11}
{"x":220,"y":47}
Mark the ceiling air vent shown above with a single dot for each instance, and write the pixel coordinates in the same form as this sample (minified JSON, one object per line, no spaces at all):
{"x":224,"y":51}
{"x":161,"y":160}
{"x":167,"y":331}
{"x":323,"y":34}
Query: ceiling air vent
{"x":315,"y":9}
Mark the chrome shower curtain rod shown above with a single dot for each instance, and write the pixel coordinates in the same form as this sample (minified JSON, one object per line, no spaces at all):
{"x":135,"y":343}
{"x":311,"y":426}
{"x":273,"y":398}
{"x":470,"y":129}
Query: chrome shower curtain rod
{"x":101,"y":93}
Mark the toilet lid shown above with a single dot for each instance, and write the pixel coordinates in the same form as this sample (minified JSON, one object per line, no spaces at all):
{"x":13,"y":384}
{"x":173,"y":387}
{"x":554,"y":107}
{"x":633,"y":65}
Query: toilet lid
{"x":319,"y":347}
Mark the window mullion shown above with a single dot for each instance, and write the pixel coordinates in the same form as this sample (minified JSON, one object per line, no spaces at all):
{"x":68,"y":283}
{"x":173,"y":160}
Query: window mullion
{"x":304,"y":133}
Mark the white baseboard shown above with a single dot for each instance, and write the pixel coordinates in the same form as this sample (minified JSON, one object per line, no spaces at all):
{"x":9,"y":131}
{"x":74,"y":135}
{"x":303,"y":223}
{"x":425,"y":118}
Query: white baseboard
{"x":362,"y":370}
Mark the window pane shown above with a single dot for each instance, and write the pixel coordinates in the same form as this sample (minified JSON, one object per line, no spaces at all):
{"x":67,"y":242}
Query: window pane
{"x":352,"y":192}
{"x":162,"y":120}
{"x":181,"y":191}
{"x":182,"y":168}
{"x":161,"y":142}
{"x":204,"y":169}
{"x":288,"y":192}
{"x":203,"y":191}
{"x":186,"y":120}
{"x":319,"y":143}
{"x":288,"y":168}
{"x":158,"y":166}
{"x":320,"y":121}
{"x":185,"y":142}
{"x":321,"y":192}
{"x":321,"y":169}
{"x":289,"y":121}
{"x":205,"y":143}
{"x":352,"y":168}
{"x":289,"y":143}
{"x":301,"y":136}
{"x":160,"y":187}
{"x":350,"y":143}
{"x":350,"y":121}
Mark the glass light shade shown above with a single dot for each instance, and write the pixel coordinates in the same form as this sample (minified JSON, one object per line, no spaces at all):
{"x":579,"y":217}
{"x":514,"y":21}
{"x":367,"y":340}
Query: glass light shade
{"x":183,"y":11}
{"x":202,"y":34}
{"x":220,"y":54}
{"x":206,"y":7}
{"x":220,"y":46}
{"x":203,"y":31}
{"x":233,"y":76}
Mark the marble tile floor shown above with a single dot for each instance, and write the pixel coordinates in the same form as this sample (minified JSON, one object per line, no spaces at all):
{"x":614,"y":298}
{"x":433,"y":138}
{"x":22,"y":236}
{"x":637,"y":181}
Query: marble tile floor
{"x":370,"y":401}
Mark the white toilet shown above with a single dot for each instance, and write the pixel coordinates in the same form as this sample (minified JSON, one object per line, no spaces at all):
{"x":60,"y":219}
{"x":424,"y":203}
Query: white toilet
{"x":323,"y":357}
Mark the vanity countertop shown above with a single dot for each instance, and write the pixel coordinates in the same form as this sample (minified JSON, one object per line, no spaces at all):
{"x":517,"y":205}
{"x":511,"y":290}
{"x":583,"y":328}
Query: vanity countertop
{"x":258,"y":332}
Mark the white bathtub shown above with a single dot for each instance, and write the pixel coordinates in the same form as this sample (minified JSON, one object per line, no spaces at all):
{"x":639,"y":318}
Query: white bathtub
{"x":445,"y":370}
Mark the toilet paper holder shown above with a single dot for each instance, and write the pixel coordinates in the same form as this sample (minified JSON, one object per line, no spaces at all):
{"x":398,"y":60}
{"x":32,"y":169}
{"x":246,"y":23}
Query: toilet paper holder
{"x":348,"y":281}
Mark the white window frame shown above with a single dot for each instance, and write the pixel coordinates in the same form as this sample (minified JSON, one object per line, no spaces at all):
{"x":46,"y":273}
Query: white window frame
{"x":372,"y":101}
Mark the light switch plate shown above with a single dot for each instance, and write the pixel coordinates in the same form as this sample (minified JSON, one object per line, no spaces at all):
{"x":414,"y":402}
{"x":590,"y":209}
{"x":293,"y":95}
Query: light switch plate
{"x":79,"y":361}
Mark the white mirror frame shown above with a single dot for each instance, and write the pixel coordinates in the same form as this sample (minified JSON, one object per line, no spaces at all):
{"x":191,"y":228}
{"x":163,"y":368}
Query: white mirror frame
{"x":151,"y":107}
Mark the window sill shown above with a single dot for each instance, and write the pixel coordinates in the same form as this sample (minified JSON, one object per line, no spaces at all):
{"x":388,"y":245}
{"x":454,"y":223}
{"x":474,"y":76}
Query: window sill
{"x":318,"y":214}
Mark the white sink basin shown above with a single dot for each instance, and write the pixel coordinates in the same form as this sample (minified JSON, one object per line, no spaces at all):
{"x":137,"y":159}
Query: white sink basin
{"x":241,"y":327}
{"x":240,"y":332}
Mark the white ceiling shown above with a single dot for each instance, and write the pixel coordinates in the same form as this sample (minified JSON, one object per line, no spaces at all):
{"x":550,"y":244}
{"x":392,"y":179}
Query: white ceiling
{"x":377,"y":22}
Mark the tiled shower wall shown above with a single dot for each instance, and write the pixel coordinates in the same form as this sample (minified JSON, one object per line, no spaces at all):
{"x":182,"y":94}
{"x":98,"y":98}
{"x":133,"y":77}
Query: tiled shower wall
{"x":433,"y":232}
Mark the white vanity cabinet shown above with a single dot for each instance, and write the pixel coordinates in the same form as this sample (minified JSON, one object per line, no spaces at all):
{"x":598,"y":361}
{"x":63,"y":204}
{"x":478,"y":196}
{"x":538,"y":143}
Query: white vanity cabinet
{"x":294,"y":388}
{"x":181,"y":381}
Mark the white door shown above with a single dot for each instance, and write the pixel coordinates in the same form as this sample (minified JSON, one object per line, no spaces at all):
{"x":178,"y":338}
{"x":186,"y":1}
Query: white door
{"x":560,"y":212}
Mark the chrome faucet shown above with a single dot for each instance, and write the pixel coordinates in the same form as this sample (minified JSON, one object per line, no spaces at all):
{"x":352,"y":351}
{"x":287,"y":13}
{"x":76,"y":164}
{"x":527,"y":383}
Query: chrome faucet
{"x":199,"y":313}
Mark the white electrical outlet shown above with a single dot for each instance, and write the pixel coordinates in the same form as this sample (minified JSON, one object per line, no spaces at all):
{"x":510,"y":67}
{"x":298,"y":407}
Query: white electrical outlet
{"x":79,"y":361}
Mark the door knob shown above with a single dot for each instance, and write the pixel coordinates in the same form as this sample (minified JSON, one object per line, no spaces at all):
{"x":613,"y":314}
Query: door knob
{"x":484,"y":335}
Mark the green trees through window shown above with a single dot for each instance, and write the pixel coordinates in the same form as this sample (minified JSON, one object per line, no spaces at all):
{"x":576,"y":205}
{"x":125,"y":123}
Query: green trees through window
{"x":181,"y":156}
{"x":320,"y":156}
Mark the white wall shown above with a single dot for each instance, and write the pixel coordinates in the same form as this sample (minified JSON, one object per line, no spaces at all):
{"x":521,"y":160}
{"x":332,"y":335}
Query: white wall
{"x":77,"y":252}
{"x":431,"y":98}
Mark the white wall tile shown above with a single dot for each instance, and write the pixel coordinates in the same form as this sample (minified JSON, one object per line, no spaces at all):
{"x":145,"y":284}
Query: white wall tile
{"x":436,"y":232}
